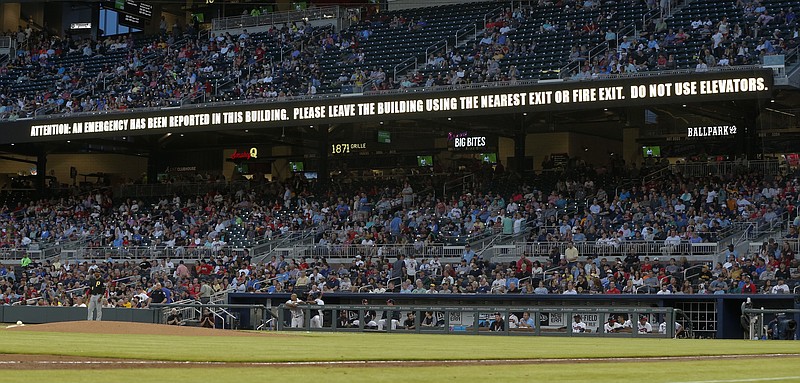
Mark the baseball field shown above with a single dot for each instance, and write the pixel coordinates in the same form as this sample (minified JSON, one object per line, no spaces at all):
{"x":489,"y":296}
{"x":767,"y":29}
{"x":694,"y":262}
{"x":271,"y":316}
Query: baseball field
{"x":129,"y":352}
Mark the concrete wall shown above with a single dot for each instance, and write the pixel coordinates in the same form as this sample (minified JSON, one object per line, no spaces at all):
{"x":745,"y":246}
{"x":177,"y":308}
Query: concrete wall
{"x":118,"y":165}
{"x":505,"y":150}
{"x":541,"y":145}
{"x":394,"y":5}
{"x":47,"y":314}
{"x":9,"y":17}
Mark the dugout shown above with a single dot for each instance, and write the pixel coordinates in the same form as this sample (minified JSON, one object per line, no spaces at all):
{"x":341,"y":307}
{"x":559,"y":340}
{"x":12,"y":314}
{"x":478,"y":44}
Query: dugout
{"x":712,"y":316}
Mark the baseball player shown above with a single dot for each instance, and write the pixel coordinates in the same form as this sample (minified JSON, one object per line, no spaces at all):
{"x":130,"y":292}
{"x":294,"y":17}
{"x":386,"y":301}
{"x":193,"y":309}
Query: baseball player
{"x":95,"y":292}
{"x":297,"y":313}
{"x":578,"y":326}
{"x":316,"y":320}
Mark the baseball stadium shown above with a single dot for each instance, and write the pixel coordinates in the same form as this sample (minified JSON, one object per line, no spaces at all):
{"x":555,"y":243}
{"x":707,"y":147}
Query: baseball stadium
{"x":560,"y":190}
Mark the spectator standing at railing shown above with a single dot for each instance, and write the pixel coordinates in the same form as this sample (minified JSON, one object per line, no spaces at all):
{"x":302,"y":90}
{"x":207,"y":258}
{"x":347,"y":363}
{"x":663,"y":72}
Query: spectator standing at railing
{"x":398,"y":267}
{"x":468,"y":253}
{"x":206,"y":291}
{"x":571,"y":255}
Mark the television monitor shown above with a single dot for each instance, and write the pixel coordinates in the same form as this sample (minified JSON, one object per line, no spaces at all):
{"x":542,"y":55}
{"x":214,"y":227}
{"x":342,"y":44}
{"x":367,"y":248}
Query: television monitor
{"x":425,"y":160}
{"x":488,"y":157}
{"x":296,"y":166}
{"x":651,"y":151}
{"x":384,"y":137}
{"x":311,"y":175}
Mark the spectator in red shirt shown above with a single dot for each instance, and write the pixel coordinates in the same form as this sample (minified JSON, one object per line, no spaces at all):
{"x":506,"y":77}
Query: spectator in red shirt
{"x":747,"y":286}
{"x":524,"y":266}
{"x":612,"y":288}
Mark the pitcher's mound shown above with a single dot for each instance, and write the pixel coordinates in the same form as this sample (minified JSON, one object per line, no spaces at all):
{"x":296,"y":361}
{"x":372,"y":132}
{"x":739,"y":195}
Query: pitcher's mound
{"x":125,"y":328}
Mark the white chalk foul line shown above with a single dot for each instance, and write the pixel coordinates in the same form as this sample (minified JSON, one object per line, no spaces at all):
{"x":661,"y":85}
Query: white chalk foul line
{"x":406,"y":362}
{"x":778,"y":378}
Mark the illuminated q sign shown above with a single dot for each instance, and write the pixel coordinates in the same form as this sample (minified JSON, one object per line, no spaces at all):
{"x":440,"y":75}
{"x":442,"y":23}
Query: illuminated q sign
{"x":712,"y":131}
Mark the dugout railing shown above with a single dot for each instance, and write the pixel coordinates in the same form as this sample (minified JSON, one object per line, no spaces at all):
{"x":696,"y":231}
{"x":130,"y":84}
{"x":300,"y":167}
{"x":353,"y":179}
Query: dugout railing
{"x":548,"y":321}
{"x":225,"y":316}
{"x":763,"y":324}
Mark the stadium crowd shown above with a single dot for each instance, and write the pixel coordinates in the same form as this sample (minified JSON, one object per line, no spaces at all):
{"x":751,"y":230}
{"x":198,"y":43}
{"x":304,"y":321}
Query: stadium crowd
{"x":183,"y":66}
{"x":386,"y":230}
{"x":724,"y":43}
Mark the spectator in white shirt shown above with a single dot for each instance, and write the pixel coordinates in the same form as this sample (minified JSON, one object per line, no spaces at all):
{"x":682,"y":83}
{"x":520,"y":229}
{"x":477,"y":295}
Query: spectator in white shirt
{"x":780,"y":288}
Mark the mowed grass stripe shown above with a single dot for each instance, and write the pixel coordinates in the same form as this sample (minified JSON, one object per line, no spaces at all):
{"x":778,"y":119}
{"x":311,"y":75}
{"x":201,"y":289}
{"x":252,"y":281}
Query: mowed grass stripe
{"x":778,"y":370}
{"x":350,"y":346}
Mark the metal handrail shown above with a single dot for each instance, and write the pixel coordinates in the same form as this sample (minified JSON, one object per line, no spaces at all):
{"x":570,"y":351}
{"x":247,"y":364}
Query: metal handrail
{"x":402,"y":66}
{"x":266,"y":283}
{"x":72,"y":291}
{"x":793,"y":54}
{"x":685,"y":272}
{"x":597,"y":50}
{"x":636,"y":289}
{"x":360,"y":289}
{"x":433,"y":48}
{"x":27,"y":301}
{"x":544,"y":274}
{"x":124,"y":278}
{"x":393,"y":279}
{"x":465,"y":30}
{"x":542,"y":249}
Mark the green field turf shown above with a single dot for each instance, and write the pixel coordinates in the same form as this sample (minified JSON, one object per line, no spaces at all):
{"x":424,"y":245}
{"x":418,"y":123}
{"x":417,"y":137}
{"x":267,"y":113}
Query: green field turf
{"x":717,"y":371}
{"x":279,"y":347}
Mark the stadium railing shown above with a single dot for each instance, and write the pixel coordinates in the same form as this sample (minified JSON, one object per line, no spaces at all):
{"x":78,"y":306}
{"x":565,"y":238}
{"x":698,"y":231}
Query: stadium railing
{"x":227,"y":316}
{"x":188,"y":188}
{"x":641,"y":248}
{"x":705,"y":169}
{"x":273,"y":18}
{"x":347,"y":252}
{"x":756,"y":247}
{"x":132,"y":252}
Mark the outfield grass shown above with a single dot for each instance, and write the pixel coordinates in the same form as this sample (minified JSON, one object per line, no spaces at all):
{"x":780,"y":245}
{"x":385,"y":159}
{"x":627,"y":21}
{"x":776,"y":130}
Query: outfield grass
{"x":358,"y":346}
{"x":754,"y":370}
